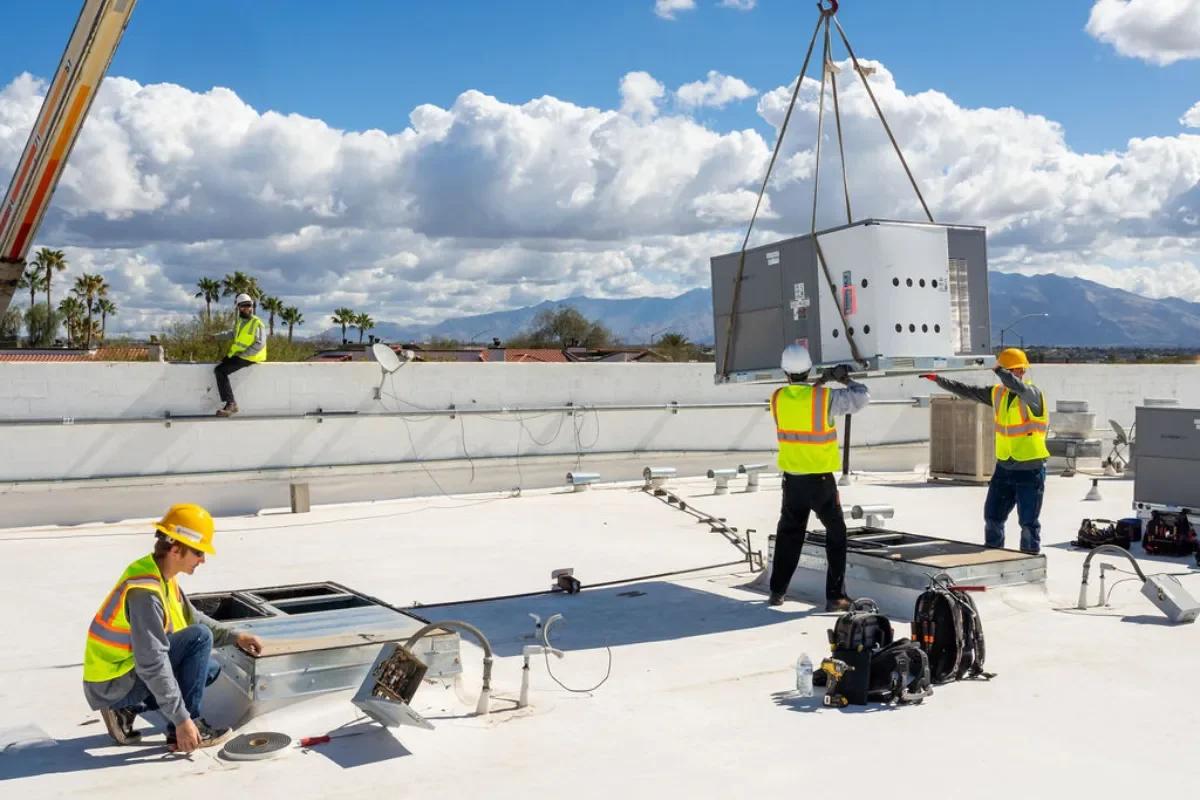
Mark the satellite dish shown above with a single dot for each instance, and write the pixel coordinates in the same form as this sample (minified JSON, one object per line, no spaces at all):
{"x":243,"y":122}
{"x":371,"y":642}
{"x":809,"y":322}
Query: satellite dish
{"x":385,"y":356}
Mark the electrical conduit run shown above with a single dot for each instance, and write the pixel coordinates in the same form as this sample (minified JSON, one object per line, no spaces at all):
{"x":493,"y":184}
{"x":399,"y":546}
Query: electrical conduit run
{"x":481,"y":708}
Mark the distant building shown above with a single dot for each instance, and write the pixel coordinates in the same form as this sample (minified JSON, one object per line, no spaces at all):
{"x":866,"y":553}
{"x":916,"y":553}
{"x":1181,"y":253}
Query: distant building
{"x":49,"y":355}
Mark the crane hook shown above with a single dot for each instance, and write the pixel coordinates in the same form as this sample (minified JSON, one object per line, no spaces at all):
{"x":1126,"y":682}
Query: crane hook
{"x":833,"y":6}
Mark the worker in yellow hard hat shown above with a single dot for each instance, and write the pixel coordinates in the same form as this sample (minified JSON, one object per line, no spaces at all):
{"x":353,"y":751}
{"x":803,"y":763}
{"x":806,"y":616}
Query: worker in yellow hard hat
{"x":1021,"y":424}
{"x":148,"y":649}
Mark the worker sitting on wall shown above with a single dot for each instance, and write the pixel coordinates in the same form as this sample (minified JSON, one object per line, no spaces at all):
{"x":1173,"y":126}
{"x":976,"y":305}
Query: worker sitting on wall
{"x":1019,"y":478}
{"x":808,"y":457}
{"x":148,"y":648}
{"x":249,"y":346}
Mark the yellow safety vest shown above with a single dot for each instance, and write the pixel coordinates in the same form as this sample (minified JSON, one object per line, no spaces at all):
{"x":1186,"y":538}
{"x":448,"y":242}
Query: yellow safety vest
{"x":243,"y":337}
{"x":1020,"y":435}
{"x":109,"y":651}
{"x":807,"y":442}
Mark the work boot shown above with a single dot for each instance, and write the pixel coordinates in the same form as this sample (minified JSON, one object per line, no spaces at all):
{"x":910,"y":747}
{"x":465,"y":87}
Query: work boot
{"x":120,"y":724}
{"x":837,"y":604}
{"x":776,"y":599}
{"x":209,"y":735}
{"x":229,"y":410}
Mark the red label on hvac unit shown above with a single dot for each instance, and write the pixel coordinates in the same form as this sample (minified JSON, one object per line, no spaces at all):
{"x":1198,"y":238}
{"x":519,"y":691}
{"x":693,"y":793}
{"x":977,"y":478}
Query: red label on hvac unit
{"x":849,"y":305}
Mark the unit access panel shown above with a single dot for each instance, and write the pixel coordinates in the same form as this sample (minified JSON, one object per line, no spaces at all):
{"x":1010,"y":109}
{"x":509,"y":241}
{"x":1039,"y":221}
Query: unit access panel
{"x":914,"y":296}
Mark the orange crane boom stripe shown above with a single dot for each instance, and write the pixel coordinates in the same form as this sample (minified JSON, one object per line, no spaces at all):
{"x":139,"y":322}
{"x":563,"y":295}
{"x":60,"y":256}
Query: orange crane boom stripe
{"x":48,"y":175}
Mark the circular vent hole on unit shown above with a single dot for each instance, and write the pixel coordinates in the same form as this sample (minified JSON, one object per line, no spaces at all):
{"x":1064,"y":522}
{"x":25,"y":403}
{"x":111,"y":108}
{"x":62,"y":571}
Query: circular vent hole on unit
{"x":912,"y":328}
{"x":933,"y":283}
{"x":895,"y":281}
{"x":922,"y":282}
{"x":864,"y":283}
{"x":898,"y":328}
{"x":835,"y":333}
{"x":937,"y":328}
{"x":908,"y":282}
{"x":866,"y":328}
{"x":924,"y":329}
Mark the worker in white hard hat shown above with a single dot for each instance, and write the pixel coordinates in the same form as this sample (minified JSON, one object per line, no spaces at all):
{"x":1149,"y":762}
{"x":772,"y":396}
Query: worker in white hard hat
{"x":808,"y":456}
{"x":148,"y":649}
{"x":249,"y":346}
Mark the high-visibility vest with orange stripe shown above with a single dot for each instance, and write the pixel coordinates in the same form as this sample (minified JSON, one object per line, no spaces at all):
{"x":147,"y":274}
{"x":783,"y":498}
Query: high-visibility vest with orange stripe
{"x":1020,"y":435}
{"x":807,"y":442}
{"x":109,"y":652}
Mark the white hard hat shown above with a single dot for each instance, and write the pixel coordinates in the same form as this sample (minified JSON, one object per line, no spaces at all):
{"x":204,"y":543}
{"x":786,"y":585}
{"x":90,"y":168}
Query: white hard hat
{"x":796,"y":360}
{"x":243,"y":298}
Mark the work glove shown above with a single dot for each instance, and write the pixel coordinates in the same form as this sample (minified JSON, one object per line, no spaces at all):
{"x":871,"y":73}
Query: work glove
{"x":929,"y":376}
{"x":840,"y":373}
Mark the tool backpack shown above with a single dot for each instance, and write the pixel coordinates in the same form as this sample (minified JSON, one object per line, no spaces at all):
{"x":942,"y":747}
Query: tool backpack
{"x":900,"y":673}
{"x":1169,"y":534}
{"x":947,"y":626}
{"x":1095,"y":532}
{"x":862,"y":628}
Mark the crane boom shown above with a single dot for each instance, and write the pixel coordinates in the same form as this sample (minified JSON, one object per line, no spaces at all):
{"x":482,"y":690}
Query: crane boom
{"x":89,"y":52}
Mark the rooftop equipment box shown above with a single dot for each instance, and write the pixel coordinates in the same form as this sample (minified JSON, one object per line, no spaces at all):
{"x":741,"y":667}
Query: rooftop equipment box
{"x":915,"y":297}
{"x":1167,"y":474}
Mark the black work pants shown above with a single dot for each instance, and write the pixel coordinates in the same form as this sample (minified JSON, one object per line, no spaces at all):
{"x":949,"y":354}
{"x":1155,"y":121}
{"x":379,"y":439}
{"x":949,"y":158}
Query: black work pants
{"x":228,"y":366}
{"x":803,"y":494}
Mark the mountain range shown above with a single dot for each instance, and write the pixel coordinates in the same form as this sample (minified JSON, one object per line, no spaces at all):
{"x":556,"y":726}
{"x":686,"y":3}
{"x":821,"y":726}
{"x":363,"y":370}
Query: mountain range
{"x":1079,"y":313}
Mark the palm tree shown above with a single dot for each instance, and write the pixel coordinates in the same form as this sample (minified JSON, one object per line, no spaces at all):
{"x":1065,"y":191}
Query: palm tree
{"x":345,"y":317}
{"x":275,"y":306}
{"x":89,"y":288}
{"x":364,"y":323}
{"x":107,"y":308}
{"x":34,"y":280}
{"x":49,"y":262}
{"x":210,"y":290}
{"x":292,"y":316}
{"x":73,"y":311}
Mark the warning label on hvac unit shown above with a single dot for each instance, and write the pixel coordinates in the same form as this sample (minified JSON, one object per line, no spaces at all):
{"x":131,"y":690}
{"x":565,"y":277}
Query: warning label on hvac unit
{"x":772,"y":258}
{"x":800,"y":303}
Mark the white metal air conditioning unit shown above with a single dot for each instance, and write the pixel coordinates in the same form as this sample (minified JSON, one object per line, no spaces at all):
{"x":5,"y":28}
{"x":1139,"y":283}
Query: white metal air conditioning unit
{"x":962,"y":442}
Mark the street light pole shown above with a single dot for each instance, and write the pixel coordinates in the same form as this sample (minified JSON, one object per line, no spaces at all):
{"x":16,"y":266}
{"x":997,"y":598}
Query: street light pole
{"x":1013,"y":324}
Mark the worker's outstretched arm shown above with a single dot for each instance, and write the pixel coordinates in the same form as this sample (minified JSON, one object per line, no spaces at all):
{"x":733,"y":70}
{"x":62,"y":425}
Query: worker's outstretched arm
{"x":152,"y":653}
{"x":1028,"y":393}
{"x":980,"y":394}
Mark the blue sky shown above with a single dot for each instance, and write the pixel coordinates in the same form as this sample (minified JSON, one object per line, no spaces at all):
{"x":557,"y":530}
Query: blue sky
{"x":487,"y":206}
{"x":366,"y":63}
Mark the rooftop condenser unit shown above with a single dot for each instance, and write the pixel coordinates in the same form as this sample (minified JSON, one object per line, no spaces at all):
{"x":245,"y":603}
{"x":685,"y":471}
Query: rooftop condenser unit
{"x":911,"y":296}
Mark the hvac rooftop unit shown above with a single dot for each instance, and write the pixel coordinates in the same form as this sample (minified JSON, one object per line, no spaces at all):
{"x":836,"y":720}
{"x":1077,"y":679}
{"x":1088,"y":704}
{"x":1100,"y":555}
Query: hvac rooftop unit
{"x":914,"y":297}
{"x":962,"y":443}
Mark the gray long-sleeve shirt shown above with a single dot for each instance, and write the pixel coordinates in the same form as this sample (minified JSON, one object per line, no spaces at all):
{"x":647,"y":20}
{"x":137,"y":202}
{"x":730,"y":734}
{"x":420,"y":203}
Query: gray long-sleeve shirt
{"x":851,"y":400}
{"x":151,"y":656}
{"x":1026,"y":392}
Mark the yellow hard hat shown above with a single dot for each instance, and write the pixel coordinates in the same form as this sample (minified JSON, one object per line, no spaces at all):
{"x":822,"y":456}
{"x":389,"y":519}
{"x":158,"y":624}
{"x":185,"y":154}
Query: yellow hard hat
{"x":188,"y":524}
{"x":1013,"y":358}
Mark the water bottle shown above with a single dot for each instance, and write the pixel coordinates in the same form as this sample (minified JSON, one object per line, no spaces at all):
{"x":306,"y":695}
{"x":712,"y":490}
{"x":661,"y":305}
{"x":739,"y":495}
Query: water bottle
{"x":804,"y":676}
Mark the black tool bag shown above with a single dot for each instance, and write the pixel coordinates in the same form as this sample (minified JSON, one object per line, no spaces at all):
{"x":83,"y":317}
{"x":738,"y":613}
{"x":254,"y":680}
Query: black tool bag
{"x":862,"y":628}
{"x":1130,"y":529}
{"x":900,"y":673}
{"x":1169,"y":534}
{"x":1095,"y":532}
{"x":947,"y":626}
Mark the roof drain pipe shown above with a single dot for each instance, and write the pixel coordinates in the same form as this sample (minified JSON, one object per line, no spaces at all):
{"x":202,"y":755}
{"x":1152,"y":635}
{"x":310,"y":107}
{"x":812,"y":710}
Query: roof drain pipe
{"x":481,"y":708}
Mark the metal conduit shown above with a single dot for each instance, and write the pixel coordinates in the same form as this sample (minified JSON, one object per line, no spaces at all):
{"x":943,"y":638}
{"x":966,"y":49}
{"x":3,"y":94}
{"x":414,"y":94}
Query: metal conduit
{"x":321,"y":415}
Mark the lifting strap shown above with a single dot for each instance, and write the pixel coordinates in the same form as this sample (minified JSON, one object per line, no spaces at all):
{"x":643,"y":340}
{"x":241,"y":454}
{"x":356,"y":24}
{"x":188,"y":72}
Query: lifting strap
{"x":829,"y":72}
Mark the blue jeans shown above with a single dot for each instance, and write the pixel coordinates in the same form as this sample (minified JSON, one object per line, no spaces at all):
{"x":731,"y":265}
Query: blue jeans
{"x":193,"y":668}
{"x":1023,"y":489}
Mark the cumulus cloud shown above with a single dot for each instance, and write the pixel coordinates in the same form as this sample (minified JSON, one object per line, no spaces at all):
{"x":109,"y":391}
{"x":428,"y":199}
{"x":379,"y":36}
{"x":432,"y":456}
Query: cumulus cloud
{"x":1158,"y":31}
{"x":668,"y":8}
{"x":716,"y":90}
{"x":486,"y":205}
{"x":1191,"y":117}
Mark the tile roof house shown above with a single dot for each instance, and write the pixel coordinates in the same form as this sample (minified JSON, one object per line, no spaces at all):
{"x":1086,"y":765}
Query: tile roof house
{"x":51,"y":355}
{"x":508,"y":355}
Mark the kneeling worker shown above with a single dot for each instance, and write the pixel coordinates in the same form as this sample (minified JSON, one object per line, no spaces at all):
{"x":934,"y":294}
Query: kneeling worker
{"x":147,"y":647}
{"x":1019,"y":477}
{"x":808,"y":457}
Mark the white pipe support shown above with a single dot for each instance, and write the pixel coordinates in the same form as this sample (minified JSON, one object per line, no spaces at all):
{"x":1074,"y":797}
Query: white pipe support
{"x":582,"y":480}
{"x":751,"y":472}
{"x":722,"y":477}
{"x":658,"y":475}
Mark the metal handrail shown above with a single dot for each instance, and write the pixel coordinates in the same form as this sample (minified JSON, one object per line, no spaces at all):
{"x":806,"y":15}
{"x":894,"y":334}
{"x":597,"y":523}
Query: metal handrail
{"x":320,"y":415}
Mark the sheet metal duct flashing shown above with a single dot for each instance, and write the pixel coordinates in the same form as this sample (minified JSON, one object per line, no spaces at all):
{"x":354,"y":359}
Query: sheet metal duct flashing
{"x":317,"y":638}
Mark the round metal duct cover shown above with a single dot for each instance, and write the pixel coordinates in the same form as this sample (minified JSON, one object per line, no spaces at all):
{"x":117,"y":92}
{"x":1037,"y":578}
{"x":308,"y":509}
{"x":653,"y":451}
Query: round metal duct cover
{"x":254,"y":746}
